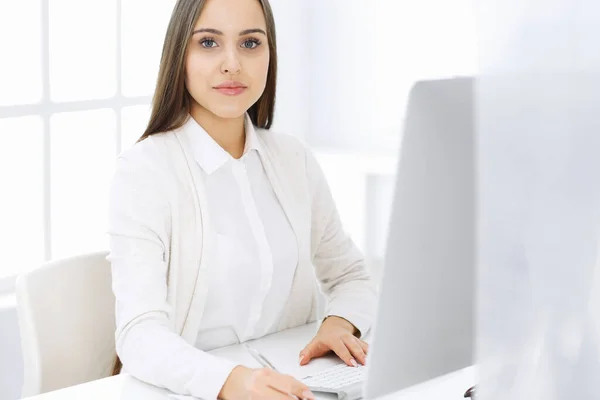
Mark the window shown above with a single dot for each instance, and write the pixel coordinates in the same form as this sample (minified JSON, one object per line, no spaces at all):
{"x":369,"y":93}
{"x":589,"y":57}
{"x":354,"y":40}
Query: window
{"x":76,"y":90}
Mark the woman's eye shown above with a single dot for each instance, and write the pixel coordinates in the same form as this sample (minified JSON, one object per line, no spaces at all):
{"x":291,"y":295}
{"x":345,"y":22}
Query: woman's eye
{"x":250,"y":44}
{"x":208,"y":43}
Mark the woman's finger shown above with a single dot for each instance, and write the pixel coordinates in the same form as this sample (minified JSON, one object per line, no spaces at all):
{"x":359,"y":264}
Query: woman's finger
{"x":355,"y":348}
{"x":260,"y":388}
{"x":271,"y":393}
{"x":289,"y":386}
{"x":339,"y":347}
{"x":313,"y":350}
{"x":364,"y":345}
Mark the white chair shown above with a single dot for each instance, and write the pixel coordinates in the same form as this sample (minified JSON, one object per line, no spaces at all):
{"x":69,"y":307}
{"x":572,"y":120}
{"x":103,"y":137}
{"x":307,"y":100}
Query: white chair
{"x":66,"y":312}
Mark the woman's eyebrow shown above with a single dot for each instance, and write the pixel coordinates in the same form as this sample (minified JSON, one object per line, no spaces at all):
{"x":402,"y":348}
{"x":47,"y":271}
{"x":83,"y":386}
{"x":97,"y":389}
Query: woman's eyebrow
{"x":254,"y":30}
{"x":218,"y":32}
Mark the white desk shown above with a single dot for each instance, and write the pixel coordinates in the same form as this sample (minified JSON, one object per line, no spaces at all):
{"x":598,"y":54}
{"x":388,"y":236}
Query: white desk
{"x":124,"y":387}
{"x":282,"y":351}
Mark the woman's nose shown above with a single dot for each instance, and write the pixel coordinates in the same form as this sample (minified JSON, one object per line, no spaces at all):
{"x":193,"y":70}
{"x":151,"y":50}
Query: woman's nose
{"x":231,"y":64}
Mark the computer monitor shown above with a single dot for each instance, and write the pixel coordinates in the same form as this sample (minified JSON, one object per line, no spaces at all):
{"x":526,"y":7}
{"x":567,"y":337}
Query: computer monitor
{"x":425,"y":319}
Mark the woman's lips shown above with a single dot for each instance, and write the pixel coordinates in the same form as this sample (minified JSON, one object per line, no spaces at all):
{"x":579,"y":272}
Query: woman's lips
{"x":231,"y":88}
{"x":231,"y":91}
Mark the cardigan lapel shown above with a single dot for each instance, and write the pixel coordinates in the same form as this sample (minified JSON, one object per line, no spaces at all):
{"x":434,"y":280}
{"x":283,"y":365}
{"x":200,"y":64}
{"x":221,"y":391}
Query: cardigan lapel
{"x":205,"y":238}
{"x":288,"y":180}
{"x":282,"y":195}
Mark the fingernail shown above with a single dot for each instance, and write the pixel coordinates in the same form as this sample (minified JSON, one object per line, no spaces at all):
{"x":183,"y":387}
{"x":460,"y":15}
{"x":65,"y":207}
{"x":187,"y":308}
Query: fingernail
{"x":301,"y":358}
{"x":353,"y":362}
{"x":307,"y":394}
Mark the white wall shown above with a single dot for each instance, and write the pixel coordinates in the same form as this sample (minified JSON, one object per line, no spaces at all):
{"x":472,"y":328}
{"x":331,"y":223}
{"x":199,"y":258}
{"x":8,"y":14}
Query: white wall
{"x":341,"y":74}
{"x":292,"y":104}
{"x":367,"y":55}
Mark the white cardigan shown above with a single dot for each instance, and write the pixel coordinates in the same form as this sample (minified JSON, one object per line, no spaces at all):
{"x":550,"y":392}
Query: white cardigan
{"x":162,"y":246}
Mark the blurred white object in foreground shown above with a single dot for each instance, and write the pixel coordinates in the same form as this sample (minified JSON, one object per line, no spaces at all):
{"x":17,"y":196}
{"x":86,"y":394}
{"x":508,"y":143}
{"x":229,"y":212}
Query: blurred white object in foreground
{"x":538,"y":121}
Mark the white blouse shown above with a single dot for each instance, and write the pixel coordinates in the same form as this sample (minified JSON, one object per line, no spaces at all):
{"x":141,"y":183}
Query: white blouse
{"x":256,"y":246}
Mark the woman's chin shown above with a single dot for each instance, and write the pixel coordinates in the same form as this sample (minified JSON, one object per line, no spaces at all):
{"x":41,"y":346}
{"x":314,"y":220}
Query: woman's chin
{"x":230,"y":114}
{"x":228,"y":111}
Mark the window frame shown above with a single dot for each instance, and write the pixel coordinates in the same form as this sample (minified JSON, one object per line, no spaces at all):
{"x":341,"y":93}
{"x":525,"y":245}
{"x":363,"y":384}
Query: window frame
{"x":45,"y":108}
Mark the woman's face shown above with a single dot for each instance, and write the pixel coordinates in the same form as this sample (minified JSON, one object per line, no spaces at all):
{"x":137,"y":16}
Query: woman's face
{"x":228,"y":57}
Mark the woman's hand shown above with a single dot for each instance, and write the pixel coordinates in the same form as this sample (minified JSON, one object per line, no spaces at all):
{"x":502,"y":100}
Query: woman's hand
{"x":248,"y":384}
{"x":337,"y":335}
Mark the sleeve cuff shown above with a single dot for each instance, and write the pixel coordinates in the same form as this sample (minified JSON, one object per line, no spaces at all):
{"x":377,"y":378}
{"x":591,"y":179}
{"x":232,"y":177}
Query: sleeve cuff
{"x":209,"y":383}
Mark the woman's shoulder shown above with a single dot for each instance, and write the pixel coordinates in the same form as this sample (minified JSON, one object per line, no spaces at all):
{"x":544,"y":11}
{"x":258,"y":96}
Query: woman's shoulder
{"x":153,"y":147}
{"x":150,"y":160}
{"x":154,"y":152}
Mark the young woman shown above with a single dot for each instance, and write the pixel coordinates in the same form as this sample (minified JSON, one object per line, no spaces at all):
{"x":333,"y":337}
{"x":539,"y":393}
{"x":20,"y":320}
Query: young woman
{"x":220,"y":230}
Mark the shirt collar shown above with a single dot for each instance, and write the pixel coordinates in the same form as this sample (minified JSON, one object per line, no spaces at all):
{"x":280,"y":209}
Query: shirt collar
{"x":252,"y":141}
{"x":207,"y":152}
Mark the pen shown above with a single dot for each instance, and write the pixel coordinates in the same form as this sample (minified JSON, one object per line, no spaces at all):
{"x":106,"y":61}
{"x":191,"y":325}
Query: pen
{"x":264,"y":362}
{"x":260,"y":358}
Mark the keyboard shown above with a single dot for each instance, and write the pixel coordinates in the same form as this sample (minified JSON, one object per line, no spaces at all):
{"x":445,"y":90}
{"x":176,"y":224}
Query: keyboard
{"x":341,"y":379}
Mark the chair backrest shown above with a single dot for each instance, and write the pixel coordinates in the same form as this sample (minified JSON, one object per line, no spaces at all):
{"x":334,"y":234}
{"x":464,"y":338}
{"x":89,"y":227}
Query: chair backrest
{"x":66,"y":312}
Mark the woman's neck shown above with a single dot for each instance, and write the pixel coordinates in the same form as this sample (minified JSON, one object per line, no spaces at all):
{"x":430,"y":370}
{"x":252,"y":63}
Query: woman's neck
{"x":227,"y":132}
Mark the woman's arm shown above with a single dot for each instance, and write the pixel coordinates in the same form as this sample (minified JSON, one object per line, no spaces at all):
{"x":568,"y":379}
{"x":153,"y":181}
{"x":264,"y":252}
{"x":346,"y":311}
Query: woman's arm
{"x":146,"y":343}
{"x":340,"y":266}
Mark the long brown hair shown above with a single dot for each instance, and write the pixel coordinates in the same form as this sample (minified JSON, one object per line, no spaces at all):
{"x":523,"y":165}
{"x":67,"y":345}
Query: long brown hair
{"x":171,"y":101}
